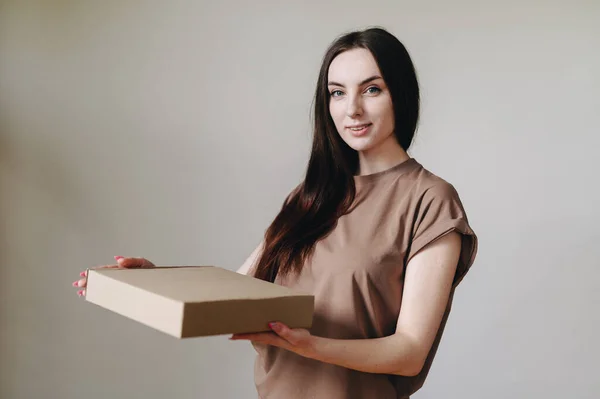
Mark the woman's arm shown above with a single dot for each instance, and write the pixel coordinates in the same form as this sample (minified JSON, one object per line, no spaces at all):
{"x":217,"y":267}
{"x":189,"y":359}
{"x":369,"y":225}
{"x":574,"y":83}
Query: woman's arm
{"x":396,"y":354}
{"x":427,"y":286}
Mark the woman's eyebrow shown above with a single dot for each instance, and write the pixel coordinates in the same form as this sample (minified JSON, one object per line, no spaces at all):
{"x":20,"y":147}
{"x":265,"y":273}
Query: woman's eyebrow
{"x":375,"y":77}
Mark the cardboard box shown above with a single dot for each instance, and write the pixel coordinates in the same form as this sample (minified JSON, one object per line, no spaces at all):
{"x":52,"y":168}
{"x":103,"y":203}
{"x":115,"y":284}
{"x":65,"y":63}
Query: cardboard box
{"x":198,"y":301}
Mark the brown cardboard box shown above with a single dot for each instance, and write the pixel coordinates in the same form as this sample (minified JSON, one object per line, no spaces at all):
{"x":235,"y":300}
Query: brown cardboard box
{"x":198,"y":301}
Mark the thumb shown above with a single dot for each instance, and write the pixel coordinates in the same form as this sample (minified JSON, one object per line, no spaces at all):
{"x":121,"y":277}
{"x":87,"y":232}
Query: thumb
{"x":130,"y":262}
{"x":282,"y":330}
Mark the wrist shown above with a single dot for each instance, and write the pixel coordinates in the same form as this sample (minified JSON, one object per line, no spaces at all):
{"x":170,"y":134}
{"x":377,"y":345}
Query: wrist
{"x":314,"y":348}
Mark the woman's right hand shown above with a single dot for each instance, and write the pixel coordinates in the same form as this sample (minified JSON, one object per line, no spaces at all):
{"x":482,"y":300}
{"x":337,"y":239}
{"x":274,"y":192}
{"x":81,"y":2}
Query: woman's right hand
{"x":122,"y":263}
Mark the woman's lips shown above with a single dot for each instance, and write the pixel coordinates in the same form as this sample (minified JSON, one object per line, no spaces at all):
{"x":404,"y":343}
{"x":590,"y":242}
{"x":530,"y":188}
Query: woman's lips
{"x":359,"y":130}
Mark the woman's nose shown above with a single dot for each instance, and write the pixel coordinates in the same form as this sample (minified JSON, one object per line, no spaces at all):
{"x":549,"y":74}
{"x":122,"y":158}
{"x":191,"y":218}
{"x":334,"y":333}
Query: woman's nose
{"x":354,"y":107}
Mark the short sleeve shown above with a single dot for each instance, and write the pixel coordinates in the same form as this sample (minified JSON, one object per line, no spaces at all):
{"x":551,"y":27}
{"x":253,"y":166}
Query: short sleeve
{"x":439,"y":212}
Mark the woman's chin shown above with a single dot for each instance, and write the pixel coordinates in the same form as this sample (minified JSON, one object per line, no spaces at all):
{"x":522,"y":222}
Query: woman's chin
{"x":359,"y":144}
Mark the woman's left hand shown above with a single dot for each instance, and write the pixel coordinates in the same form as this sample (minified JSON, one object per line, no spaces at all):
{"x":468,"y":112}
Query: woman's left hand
{"x":297,"y":340}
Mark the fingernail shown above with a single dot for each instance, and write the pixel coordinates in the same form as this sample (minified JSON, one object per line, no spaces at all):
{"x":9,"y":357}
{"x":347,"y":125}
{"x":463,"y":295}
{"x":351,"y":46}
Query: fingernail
{"x":273,"y":325}
{"x":82,"y":274}
{"x":117,"y":258}
{"x":80,"y":292}
{"x":76,"y":283}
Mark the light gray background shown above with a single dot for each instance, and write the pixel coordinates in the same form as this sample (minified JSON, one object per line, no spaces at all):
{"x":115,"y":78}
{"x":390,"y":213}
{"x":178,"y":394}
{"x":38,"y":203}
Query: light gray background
{"x":173,"y":130}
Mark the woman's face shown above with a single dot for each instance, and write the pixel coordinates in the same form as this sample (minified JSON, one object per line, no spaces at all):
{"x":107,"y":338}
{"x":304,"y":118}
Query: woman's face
{"x":360,"y":102}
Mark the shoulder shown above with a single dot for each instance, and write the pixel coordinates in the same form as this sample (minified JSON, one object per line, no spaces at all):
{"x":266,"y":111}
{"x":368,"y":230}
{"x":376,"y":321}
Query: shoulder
{"x":428,"y":185}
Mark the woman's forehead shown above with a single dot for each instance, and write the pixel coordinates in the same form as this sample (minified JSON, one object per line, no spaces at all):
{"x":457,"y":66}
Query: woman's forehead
{"x":352,"y":67}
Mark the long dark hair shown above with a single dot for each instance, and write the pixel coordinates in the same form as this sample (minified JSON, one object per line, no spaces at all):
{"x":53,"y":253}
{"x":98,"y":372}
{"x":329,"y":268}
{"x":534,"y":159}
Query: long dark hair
{"x":311,"y":211}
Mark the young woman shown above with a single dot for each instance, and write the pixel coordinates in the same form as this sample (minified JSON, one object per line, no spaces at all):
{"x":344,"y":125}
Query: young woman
{"x":379,"y":240}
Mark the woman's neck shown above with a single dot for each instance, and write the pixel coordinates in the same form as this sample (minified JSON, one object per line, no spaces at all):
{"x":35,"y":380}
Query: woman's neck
{"x":386,"y":155}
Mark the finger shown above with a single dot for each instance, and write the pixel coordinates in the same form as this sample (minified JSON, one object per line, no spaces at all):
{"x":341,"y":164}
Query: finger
{"x":147,"y":263}
{"x":81,"y":292}
{"x":81,"y":283}
{"x":248,"y":336}
{"x":294,"y":337}
{"x":280,"y":328}
{"x":133,"y":262}
{"x":263,"y":338}
{"x":273,"y":340}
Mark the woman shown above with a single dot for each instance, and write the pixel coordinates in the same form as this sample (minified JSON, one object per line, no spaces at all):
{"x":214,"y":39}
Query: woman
{"x":380,"y":241}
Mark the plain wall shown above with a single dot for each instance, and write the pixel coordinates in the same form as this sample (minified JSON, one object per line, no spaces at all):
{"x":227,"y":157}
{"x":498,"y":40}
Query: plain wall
{"x":173,"y":131}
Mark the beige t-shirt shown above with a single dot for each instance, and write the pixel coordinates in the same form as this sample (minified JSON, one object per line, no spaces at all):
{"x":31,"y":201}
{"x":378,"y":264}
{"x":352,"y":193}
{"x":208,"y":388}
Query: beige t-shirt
{"x":356,"y":274}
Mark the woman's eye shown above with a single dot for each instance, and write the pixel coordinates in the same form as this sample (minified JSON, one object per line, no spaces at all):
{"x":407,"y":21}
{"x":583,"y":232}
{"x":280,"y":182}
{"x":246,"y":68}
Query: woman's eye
{"x":373,"y":90}
{"x":335,"y":93}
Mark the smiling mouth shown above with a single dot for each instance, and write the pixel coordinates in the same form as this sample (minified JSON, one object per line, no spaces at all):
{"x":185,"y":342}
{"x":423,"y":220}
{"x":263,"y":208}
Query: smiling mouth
{"x":359,"y":130}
